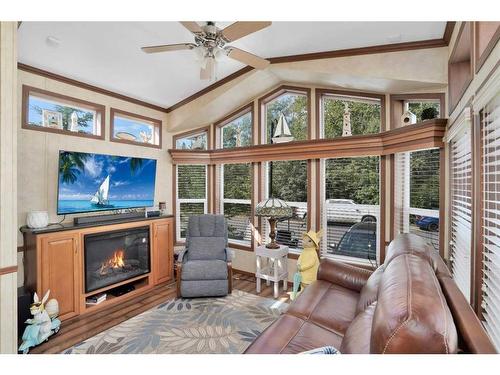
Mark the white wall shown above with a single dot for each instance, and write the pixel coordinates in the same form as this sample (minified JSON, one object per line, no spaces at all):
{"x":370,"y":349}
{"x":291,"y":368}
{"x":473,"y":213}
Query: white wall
{"x":38,"y":152}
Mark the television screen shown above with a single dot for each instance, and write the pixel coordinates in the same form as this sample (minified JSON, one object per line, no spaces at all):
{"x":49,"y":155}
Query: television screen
{"x":95,"y":182}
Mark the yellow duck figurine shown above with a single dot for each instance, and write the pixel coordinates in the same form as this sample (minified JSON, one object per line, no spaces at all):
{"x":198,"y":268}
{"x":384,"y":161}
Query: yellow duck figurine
{"x":308,"y":262}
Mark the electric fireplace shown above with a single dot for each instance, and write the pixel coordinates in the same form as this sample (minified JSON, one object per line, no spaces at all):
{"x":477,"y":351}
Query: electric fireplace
{"x":113,"y":257}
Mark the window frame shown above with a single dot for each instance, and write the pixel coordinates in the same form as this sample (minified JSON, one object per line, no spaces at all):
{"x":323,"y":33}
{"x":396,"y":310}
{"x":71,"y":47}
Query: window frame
{"x":321,"y":93}
{"x":220,"y":124}
{"x":241,"y":245}
{"x":193,"y":132}
{"x":178,"y":201}
{"x":274,"y":94}
{"x":99,"y":109}
{"x":321,"y":212}
{"x":264,"y":194}
{"x":157,"y":124}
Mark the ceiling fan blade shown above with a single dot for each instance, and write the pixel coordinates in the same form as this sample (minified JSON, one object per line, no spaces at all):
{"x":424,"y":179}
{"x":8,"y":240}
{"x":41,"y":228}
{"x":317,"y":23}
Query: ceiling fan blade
{"x":168,"y":47}
{"x":247,"y":58}
{"x":192,"y":26}
{"x":240,"y":29}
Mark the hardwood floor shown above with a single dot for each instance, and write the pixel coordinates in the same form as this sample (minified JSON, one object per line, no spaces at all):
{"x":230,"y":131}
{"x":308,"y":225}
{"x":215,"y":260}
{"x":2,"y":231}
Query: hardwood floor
{"x":81,"y":328}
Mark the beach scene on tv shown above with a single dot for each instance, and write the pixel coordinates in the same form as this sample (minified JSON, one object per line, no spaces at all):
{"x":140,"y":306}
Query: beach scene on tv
{"x":95,"y":182}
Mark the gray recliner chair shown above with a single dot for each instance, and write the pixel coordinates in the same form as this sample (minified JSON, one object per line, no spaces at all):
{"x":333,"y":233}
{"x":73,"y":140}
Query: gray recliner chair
{"x":204,"y":268}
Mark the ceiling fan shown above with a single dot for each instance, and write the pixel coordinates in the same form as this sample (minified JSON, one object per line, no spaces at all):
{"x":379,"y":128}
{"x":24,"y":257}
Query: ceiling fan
{"x":210,"y":43}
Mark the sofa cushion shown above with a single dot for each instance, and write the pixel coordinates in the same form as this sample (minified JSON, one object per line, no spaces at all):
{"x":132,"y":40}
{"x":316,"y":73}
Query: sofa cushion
{"x":311,"y":336}
{"x":411,"y":315}
{"x":337,"y":309}
{"x":357,"y":337}
{"x":204,"y":270}
{"x":313,"y":295}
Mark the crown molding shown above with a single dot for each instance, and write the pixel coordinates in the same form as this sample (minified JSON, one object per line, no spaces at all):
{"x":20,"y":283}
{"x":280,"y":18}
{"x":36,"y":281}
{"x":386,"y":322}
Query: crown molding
{"x":87,"y":86}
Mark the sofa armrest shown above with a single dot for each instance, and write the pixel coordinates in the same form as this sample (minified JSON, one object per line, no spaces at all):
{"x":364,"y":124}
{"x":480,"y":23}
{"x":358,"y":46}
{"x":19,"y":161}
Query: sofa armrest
{"x":346,"y":275}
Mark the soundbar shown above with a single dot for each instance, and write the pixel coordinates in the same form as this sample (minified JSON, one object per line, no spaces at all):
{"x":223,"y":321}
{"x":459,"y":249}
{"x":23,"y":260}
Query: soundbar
{"x":83,"y":220}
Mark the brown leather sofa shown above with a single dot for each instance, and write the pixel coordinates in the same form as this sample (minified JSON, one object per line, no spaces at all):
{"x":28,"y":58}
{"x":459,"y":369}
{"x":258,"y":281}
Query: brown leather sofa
{"x":410,"y":304}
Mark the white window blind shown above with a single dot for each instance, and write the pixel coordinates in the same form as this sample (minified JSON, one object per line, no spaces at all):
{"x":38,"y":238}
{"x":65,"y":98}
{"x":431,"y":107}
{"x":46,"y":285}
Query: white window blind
{"x":461,"y":214}
{"x":350,"y":210}
{"x":236,"y":201}
{"x":490,"y":129}
{"x":416,"y":194}
{"x":191,"y":195}
{"x":287,"y":180}
{"x":401,"y":192}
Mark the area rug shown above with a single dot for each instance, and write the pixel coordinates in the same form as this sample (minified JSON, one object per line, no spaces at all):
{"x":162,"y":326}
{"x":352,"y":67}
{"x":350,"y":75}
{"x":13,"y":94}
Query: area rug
{"x":200,"y":325}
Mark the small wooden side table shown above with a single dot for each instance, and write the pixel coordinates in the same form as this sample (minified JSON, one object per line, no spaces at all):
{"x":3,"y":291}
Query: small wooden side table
{"x":272,"y":266}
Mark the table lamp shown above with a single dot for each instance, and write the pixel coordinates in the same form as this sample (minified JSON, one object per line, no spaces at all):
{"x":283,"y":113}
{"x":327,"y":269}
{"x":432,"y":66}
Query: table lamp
{"x":273,"y":209}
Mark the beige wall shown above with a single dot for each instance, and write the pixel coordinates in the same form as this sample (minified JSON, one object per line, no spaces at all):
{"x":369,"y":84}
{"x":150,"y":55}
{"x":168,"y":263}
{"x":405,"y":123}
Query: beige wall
{"x":38,"y":151}
{"x":8,"y":186}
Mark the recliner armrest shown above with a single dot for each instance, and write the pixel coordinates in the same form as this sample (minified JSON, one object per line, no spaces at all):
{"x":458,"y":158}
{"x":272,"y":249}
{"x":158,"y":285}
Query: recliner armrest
{"x":346,"y":275}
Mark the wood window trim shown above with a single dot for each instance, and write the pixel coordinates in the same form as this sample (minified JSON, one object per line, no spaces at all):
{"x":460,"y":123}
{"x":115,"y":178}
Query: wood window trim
{"x":480,"y":58}
{"x":453,"y":101}
{"x":98,"y":108}
{"x":397,"y":100}
{"x":427,"y":134}
{"x":248,"y":108}
{"x":321,"y":92}
{"x":218,"y":199}
{"x":274,"y":94}
{"x":201,"y":130}
{"x":133,"y":116}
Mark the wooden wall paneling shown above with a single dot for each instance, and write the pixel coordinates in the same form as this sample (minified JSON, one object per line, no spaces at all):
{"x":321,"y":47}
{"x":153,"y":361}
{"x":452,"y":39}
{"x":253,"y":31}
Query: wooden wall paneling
{"x":486,"y":37}
{"x":460,"y":66}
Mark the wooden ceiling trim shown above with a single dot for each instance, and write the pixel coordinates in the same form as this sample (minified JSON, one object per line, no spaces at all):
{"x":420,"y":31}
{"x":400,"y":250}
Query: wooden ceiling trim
{"x":427,"y":134}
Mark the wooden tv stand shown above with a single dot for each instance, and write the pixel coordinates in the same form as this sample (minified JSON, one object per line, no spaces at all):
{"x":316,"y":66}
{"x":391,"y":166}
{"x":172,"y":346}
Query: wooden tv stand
{"x":54,"y":259}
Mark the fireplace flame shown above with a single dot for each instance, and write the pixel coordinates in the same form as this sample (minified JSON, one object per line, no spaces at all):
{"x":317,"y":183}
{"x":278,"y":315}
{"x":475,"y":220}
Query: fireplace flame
{"x":115,"y":261}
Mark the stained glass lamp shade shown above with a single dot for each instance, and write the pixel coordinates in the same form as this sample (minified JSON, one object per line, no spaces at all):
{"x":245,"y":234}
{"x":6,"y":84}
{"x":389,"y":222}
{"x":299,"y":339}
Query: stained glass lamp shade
{"x":273,"y":209}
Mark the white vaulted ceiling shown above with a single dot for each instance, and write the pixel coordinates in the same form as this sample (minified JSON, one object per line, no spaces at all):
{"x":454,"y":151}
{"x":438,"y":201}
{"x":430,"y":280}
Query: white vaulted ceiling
{"x":108,"y":55}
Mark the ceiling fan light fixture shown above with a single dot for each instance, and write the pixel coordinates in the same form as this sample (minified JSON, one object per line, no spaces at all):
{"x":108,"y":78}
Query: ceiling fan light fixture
{"x":199,"y":52}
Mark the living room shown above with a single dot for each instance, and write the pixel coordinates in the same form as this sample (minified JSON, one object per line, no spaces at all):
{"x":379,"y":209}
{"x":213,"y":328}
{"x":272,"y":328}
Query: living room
{"x":253,"y":186}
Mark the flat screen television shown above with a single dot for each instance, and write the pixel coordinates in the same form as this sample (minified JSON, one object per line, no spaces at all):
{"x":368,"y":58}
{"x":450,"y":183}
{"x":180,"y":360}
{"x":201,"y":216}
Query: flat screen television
{"x":96,"y":182}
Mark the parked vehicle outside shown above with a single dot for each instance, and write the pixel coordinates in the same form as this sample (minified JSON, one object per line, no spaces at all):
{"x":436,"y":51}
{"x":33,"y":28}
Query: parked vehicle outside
{"x":359,"y":241}
{"x":428,"y":223}
{"x":346,"y":211}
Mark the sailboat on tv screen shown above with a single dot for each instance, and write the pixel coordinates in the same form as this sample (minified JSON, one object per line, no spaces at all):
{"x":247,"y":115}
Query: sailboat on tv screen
{"x":100,"y":198}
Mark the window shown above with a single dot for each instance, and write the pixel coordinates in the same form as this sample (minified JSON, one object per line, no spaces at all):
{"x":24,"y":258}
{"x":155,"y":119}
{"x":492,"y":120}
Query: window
{"x":191,"y":195}
{"x":461,"y":207}
{"x":350,"y":212}
{"x":237,"y":132}
{"x":416,"y":201}
{"x":349,"y":115}
{"x":51,"y":112}
{"x":490,"y":220}
{"x":294,"y":107}
{"x":135,"y":129}
{"x":287,"y":180}
{"x":417,"y":107}
{"x":195,"y":141}
{"x":236,"y":201}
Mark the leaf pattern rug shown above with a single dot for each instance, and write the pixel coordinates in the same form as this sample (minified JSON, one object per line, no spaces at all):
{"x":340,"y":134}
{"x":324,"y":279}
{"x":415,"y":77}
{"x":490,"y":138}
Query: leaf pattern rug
{"x":223,"y":325}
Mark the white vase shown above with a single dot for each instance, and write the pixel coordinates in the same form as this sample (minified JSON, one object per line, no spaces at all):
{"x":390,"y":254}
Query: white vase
{"x":37,"y":219}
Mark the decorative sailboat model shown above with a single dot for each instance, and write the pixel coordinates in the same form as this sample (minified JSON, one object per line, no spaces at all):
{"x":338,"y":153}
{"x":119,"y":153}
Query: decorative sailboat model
{"x":282,"y":133}
{"x":100,"y":198}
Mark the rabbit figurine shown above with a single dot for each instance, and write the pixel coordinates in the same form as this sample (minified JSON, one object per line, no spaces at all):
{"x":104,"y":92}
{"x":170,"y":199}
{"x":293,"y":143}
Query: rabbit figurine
{"x":41,"y":326}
